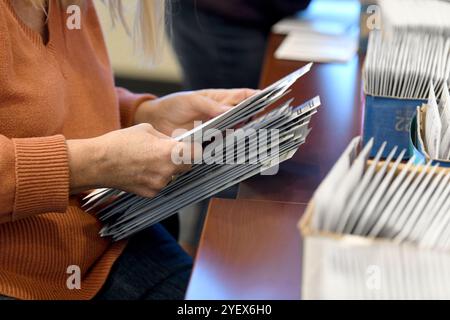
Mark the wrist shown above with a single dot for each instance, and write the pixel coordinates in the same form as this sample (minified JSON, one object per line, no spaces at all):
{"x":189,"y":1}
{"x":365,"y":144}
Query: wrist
{"x":85,"y":164}
{"x":145,"y":112}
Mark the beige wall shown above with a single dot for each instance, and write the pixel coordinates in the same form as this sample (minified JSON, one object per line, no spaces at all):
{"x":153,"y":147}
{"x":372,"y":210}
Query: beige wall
{"x":124,"y":61}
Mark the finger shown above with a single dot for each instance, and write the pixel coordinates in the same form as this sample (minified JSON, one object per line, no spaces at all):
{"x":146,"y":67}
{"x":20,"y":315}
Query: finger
{"x":147,"y":192}
{"x":228,"y":96}
{"x":238,"y":95}
{"x":183,"y":168}
{"x":209,"y":108}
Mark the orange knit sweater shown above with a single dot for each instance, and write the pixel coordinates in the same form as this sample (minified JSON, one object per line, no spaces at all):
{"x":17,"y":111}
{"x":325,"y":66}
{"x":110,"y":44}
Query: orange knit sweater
{"x":49,"y":93}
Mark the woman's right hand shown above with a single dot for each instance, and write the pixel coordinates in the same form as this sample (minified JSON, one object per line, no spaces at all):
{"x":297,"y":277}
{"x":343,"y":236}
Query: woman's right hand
{"x":136,"y":160}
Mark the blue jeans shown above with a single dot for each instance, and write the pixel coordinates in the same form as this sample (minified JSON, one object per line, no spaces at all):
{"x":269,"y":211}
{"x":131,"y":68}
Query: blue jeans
{"x":152,"y":267}
{"x":215,"y":52}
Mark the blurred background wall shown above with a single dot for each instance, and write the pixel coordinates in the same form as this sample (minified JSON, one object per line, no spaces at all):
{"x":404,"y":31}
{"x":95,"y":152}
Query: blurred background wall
{"x":129,"y":70}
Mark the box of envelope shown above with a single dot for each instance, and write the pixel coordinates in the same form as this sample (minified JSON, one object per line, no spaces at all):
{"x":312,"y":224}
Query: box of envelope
{"x":352,"y":267}
{"x":384,"y":235}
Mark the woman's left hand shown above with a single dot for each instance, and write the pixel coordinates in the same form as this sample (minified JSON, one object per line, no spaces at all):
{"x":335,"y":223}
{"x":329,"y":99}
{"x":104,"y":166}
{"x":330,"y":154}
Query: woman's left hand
{"x":181,"y":110}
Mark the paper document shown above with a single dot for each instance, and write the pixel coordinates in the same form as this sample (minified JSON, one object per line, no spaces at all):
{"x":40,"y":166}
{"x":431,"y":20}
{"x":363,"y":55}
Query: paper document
{"x":326,"y":32}
{"x":317,"y":48}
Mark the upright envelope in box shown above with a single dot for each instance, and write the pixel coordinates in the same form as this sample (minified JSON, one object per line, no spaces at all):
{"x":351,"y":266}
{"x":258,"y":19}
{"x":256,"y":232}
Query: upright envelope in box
{"x":418,"y":138}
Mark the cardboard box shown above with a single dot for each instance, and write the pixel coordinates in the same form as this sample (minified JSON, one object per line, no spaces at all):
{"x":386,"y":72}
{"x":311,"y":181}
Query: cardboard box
{"x":340,"y":266}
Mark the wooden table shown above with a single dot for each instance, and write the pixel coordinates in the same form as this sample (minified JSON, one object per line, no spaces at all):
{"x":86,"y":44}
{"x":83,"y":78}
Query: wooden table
{"x":248,"y":252}
{"x":250,"y":247}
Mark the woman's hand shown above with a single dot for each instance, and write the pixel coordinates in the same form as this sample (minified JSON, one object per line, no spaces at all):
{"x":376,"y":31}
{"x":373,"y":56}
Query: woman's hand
{"x":181,"y":110}
{"x":137,"y":160}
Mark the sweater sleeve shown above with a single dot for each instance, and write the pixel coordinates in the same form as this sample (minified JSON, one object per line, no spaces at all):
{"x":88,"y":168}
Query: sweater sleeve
{"x":34,"y":177}
{"x":128,"y":104}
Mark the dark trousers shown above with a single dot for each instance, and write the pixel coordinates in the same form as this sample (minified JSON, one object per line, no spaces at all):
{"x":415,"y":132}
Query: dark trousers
{"x":213,"y":51}
{"x":152,"y":267}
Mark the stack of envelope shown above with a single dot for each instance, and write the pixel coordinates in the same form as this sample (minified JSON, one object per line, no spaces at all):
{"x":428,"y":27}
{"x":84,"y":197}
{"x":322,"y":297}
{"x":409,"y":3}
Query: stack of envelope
{"x":254,"y":147}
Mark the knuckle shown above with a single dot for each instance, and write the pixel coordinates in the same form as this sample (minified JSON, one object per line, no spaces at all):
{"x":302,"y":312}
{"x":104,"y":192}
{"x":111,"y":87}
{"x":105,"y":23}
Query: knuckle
{"x":172,"y":147}
{"x":169,"y":162}
{"x":170,"y":170}
{"x":160,"y":182}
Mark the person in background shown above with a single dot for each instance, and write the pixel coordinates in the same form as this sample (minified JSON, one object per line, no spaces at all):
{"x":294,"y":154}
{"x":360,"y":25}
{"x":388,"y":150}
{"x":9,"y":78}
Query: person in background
{"x":66,"y":129}
{"x":222,"y":43}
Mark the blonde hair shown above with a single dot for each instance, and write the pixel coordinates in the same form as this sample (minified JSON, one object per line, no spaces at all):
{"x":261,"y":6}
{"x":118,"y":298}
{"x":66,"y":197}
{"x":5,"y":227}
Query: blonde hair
{"x":148,"y":28}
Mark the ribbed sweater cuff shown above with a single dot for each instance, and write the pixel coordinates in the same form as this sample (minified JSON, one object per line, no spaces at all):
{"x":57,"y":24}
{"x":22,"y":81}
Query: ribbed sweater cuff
{"x":129,"y":102}
{"x":42,"y":176}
